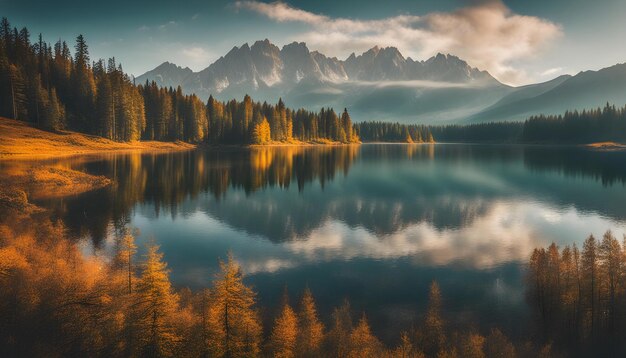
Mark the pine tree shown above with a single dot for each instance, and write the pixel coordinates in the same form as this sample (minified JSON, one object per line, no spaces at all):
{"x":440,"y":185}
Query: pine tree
{"x":339,"y":335}
{"x":472,"y":346}
{"x":363,"y":343}
{"x":284,"y":334}
{"x":611,"y":269}
{"x":589,"y":268}
{"x":433,"y":332}
{"x":262,"y":133}
{"x":235,"y":329}
{"x":311,"y":332}
{"x":155,"y":308}
{"x":124,"y":257}
{"x":497,"y":345}
{"x":105,"y":108}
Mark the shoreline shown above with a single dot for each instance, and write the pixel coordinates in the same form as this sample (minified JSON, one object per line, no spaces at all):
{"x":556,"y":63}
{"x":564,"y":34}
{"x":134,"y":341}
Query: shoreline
{"x":20,"y":141}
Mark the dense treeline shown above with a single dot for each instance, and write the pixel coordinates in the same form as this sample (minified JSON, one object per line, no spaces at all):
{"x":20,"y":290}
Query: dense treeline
{"x":47,"y":86}
{"x":496,"y":132}
{"x":260,"y":123}
{"x":596,"y":125}
{"x":55,"y":302}
{"x":579,"y":296}
{"x":606,"y":124}
{"x":394,"y":132}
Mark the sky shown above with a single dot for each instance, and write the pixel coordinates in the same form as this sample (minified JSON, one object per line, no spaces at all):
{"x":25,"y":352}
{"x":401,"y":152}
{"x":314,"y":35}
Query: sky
{"x":517,"y":41}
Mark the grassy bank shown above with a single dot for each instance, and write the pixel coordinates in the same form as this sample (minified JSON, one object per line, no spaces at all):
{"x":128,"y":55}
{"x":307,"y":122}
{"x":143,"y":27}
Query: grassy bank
{"x":18,"y":140}
{"x":26,"y":176}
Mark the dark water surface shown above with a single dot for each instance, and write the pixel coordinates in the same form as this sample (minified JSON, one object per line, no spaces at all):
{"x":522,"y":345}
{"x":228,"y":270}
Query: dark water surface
{"x":372,"y":223}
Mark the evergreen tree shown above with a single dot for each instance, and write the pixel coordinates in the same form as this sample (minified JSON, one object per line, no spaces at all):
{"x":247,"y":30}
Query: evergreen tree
{"x":284,"y":334}
{"x":235,"y":331}
{"x":433,"y":339}
{"x":363,"y":343}
{"x":155,"y":308}
{"x":311,"y":333}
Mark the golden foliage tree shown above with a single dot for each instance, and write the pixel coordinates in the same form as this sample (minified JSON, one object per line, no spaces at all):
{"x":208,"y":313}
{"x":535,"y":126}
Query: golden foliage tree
{"x":406,"y":349}
{"x":284,"y":334}
{"x":363,"y":343}
{"x":234,"y":326}
{"x":497,"y":345}
{"x":472,"y":346}
{"x":433,"y":338}
{"x":124,"y":257}
{"x":311,"y":333}
{"x":262,"y":132}
{"x":339,"y":335}
{"x":155,"y":307}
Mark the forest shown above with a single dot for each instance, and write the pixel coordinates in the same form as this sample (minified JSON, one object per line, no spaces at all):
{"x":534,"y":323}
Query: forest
{"x":57,"y":302}
{"x":607,"y":124}
{"x":54,"y":89}
{"x":578,"y":295}
{"x":49,"y":87}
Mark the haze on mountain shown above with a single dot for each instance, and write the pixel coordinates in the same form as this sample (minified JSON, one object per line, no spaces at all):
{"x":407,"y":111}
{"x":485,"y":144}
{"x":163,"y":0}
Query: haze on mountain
{"x":381,"y":84}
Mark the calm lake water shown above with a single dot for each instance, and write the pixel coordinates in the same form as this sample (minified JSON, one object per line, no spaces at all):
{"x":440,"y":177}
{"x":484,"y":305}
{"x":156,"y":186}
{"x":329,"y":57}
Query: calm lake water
{"x":372,"y":223}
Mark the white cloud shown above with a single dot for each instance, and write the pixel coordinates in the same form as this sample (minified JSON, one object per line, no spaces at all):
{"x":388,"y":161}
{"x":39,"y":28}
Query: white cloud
{"x":168,"y":25}
{"x":196,"y":54}
{"x":552,"y":71}
{"x":487,"y":35}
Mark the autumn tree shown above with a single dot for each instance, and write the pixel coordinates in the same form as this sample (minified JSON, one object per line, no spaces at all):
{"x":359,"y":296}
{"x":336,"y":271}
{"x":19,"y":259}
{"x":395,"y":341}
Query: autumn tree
{"x":339,"y":334}
{"x":155,"y":308}
{"x":262,"y":132}
{"x":363,"y":343}
{"x":472,"y":346}
{"x":311,"y":332}
{"x":589,"y":270}
{"x":433,"y":338}
{"x":611,"y":271}
{"x":497,"y":345}
{"x":234,"y":325}
{"x":285,"y":333}
{"x":124,"y":257}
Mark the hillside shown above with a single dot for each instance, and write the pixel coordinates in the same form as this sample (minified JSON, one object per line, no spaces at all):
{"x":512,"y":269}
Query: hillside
{"x":18,"y":140}
{"x":586,"y":90}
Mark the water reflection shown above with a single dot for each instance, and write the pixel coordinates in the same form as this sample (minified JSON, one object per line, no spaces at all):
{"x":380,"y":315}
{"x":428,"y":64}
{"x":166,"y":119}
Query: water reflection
{"x":360,"y":221}
{"x":285,"y":193}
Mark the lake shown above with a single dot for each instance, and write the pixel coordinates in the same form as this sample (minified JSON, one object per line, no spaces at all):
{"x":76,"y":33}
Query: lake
{"x":375,"y":223}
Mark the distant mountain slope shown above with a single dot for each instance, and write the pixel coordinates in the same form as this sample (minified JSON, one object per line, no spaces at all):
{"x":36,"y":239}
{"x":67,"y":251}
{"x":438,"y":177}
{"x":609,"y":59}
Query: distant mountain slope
{"x":165,"y":75}
{"x":378,"y":84}
{"x":585,"y":90}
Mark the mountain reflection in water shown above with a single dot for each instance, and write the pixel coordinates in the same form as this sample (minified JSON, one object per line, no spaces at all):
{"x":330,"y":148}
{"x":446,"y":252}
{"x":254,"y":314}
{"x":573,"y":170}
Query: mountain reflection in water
{"x":356,"y":221}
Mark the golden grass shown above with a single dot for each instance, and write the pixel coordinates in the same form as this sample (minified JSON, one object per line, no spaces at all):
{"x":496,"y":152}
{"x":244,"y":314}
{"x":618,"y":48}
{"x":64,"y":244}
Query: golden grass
{"x":45,"y":180}
{"x":18,"y":140}
{"x":607,"y":146}
{"x":23,"y":177}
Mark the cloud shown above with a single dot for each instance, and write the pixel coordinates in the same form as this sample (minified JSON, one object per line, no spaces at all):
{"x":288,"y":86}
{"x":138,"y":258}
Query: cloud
{"x":487,"y":34}
{"x":168,"y":25}
{"x":196,"y":55}
{"x":551,"y":71}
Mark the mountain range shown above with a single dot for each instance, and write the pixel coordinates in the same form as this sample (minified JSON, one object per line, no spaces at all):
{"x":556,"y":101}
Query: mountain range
{"x":381,"y":84}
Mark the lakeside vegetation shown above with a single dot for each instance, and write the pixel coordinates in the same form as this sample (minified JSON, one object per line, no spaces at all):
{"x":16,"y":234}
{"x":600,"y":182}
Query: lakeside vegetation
{"x":607,"y":124}
{"x":21,"y":141}
{"x":47,"y":86}
{"x":578,"y":296}
{"x":57,"y":302}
